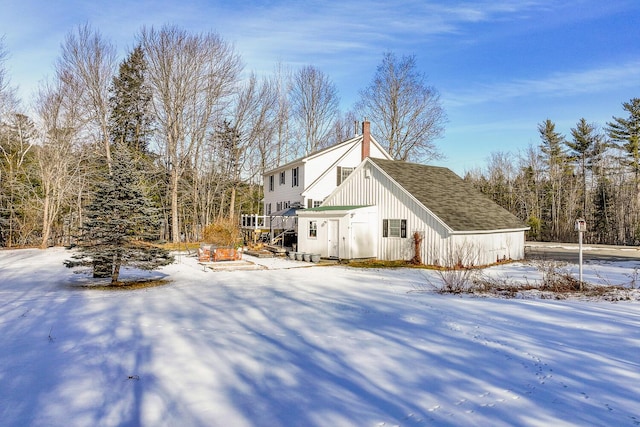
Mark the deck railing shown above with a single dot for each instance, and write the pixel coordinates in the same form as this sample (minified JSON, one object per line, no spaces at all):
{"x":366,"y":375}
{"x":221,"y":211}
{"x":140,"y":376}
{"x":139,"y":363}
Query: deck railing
{"x":268,"y":222}
{"x":253,"y":222}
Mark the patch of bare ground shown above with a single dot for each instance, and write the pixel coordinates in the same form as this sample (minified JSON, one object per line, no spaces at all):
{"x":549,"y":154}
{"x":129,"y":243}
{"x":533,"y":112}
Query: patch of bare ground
{"x":564,"y":288}
{"x":556,"y":283}
{"x":126,"y":285}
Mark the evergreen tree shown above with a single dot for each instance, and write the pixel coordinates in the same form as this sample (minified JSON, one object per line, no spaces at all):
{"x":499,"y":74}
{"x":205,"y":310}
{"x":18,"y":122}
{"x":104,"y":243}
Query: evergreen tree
{"x":121,"y":224}
{"x":604,"y":212}
{"x":625,"y":132}
{"x":584,"y":147}
{"x":130,"y":119}
{"x":230,"y":150}
{"x":555,"y":160}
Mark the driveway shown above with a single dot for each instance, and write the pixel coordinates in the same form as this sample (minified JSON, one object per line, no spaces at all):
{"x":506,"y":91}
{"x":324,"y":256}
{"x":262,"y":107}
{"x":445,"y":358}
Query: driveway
{"x":569,"y":252}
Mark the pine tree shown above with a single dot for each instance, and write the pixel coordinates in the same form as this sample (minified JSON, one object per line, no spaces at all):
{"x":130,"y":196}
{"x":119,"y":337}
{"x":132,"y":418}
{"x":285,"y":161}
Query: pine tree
{"x":603,"y":216}
{"x":626,"y":133}
{"x":121,"y":223}
{"x":586,"y":144}
{"x":555,"y":160}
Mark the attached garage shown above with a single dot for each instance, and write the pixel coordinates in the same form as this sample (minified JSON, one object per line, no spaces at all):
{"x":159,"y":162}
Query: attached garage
{"x":383,"y":204}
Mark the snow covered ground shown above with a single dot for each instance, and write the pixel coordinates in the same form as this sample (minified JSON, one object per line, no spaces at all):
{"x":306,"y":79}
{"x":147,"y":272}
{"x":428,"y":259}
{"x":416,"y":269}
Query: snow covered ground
{"x":308,"y":346}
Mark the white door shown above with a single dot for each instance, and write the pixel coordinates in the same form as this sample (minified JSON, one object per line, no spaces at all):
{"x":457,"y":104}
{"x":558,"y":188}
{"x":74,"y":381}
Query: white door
{"x":334,"y":238}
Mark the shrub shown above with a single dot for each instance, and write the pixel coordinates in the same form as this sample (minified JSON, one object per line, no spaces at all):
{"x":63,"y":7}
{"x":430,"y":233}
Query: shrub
{"x":224,"y":232}
{"x":417,"y":248}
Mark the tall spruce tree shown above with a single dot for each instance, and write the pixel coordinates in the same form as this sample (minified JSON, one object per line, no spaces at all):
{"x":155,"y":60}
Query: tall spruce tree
{"x":121,"y":223}
{"x":130,"y":102}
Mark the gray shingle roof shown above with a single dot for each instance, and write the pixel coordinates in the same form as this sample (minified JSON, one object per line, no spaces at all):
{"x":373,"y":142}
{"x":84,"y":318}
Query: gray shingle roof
{"x":454,"y":201}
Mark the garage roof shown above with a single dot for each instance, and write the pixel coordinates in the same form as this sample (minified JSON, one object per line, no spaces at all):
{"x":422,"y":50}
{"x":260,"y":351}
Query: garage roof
{"x":453,"y":200}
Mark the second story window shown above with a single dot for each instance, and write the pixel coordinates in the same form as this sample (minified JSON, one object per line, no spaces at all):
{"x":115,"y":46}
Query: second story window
{"x":294,"y":177}
{"x":271,"y":182}
{"x":282,"y":177}
{"x":343,"y":173}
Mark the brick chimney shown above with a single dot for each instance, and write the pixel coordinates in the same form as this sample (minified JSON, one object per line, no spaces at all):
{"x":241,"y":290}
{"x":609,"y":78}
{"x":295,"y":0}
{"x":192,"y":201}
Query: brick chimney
{"x":366,"y":140}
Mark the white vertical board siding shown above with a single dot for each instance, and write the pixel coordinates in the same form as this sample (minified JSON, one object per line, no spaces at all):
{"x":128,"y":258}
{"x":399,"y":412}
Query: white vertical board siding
{"x":393,"y":203}
{"x":354,"y":232}
{"x":317,"y":245}
{"x":488,"y":248}
{"x":440,"y":245}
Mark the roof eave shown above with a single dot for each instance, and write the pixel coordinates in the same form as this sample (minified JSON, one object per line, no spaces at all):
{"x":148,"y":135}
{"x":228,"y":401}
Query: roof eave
{"x":497,"y":230}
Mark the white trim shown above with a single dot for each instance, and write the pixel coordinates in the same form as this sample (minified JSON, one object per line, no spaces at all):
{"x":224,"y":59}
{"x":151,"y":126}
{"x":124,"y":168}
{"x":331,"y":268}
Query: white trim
{"x":369,"y":161}
{"x":311,"y":156}
{"x":326,"y":171}
{"x":499,"y":230}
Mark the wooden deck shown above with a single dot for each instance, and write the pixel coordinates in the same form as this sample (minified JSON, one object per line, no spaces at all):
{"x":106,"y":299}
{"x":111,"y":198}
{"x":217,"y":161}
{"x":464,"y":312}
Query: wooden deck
{"x":277,"y":250}
{"x":259,"y":253}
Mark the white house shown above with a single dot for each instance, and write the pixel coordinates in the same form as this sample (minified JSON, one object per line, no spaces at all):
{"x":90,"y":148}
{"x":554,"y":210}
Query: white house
{"x":376,"y":211}
{"x":307,"y":181}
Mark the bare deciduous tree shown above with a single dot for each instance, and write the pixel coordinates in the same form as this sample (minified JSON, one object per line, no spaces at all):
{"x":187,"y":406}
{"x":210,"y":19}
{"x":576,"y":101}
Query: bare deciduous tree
{"x":8,"y":100}
{"x":280,"y":83}
{"x":404,"y":111}
{"x":255,"y":114}
{"x":191,"y":76}
{"x":58,"y":165}
{"x":17,"y":139}
{"x":314,"y":107}
{"x":346,"y":126}
{"x":90,"y":61}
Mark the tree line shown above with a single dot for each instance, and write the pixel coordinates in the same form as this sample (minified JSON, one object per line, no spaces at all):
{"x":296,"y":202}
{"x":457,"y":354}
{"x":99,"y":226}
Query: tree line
{"x":190,"y":124}
{"x":592,"y":174}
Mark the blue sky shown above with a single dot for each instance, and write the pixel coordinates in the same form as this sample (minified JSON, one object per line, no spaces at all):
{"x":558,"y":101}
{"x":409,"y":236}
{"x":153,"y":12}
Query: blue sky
{"x":500,"y":66}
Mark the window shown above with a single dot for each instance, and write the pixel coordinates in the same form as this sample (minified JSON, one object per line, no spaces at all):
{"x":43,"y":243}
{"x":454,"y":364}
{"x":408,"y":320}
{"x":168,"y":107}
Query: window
{"x":342,"y":174}
{"x":270,"y":182}
{"x":282,"y":177}
{"x":313,"y":203}
{"x":287,"y":204}
{"x":394,"y":228}
{"x":278,"y":206}
{"x":313,"y":229}
{"x":294,"y":177}
{"x":268,"y":208}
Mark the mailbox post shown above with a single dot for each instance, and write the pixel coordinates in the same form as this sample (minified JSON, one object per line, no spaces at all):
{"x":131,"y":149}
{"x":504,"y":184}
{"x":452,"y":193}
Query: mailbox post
{"x":581,"y":227}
